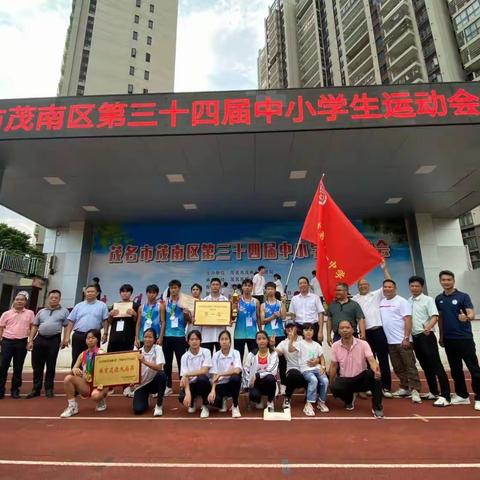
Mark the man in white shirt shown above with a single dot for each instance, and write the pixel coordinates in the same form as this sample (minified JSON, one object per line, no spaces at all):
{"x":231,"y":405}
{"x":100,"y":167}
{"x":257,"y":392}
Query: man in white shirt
{"x":396,"y":315}
{"x":375,"y":336}
{"x":279,"y":291}
{"x":259,"y":284}
{"x":306,"y":307}
{"x":315,"y":285}
{"x":210,"y":334}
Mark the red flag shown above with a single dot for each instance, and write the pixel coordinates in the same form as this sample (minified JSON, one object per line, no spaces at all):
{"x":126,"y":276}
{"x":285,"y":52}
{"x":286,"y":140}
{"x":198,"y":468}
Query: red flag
{"x":343,"y":253}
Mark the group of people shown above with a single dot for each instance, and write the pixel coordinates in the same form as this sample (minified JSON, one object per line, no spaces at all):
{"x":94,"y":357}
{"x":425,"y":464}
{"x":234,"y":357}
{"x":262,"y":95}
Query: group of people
{"x":284,"y":348}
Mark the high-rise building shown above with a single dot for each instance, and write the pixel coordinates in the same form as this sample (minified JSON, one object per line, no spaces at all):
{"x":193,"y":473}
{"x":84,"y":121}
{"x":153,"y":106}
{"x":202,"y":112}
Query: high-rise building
{"x":119,"y":46}
{"x":365,"y":42}
{"x":470,"y":225}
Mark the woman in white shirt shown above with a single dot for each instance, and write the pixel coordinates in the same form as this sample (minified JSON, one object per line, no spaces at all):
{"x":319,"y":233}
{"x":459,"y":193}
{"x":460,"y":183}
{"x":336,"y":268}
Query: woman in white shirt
{"x":261,"y":372}
{"x":194,"y":382}
{"x":227,"y":380}
{"x":152,"y":379}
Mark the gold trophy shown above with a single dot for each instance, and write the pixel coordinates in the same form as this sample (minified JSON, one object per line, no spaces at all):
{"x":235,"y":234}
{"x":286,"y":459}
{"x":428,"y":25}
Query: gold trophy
{"x":235,"y":301}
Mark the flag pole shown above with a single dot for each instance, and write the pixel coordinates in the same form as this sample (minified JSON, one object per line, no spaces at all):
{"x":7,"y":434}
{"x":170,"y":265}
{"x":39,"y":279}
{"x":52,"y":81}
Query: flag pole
{"x":295,"y":253}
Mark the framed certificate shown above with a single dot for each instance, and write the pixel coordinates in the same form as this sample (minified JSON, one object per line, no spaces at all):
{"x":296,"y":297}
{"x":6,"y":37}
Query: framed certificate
{"x":122,"y":308}
{"x":215,"y":314}
{"x":110,"y":369}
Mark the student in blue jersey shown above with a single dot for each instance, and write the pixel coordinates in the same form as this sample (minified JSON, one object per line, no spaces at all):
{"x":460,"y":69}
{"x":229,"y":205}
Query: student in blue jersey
{"x":272,"y":316}
{"x":149,"y":315}
{"x":176,"y":320}
{"x":248,"y":320}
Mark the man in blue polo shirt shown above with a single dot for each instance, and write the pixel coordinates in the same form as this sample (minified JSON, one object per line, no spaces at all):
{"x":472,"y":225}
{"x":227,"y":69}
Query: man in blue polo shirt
{"x":456,"y":313}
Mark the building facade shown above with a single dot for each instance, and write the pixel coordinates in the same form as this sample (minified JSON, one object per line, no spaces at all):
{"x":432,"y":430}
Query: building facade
{"x":470,"y":225}
{"x":119,"y":46}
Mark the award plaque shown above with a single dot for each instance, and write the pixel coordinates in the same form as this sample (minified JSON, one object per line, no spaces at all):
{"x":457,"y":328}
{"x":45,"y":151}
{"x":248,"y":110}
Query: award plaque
{"x":110,"y":369}
{"x":213,"y":314}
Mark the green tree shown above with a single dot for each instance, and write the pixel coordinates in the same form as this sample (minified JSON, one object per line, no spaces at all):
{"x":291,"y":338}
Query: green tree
{"x":14,"y":240}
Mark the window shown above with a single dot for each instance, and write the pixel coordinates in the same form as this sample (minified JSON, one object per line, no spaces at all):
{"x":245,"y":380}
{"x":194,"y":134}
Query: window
{"x":150,"y":24}
{"x":472,"y":243}
{"x":149,"y":40}
{"x":152,"y":8}
{"x":139,"y":3}
{"x":137,"y":19}
{"x":145,"y":90}
{"x":134,"y":52}
{"x":146,"y":75}
{"x":130,"y":88}
{"x":135,"y":35}
{"x":147,"y":57}
{"x":80,"y":90}
{"x":132,"y":70}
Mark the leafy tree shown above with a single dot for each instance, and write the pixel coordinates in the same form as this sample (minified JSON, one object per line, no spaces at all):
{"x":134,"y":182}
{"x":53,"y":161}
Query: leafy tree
{"x":14,"y":240}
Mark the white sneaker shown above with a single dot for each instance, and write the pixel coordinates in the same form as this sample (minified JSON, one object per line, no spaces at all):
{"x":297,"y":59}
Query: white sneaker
{"x":205,"y":412}
{"x":283,"y":389}
{"x":158,"y":411}
{"x":322,"y":407}
{"x":168,"y":391}
{"x":387,"y":393}
{"x":441,"y":402}
{"x":192,"y":409}
{"x":236,"y":412}
{"x":270,"y":406}
{"x":416,"y":397}
{"x":101,"y":406}
{"x":224,"y":406}
{"x":428,"y":396}
{"x":402,"y":392}
{"x":259,"y":406}
{"x":70,"y":411}
{"x":477,"y":405}
{"x":127,"y":392}
{"x":458,"y":400}
{"x":308,"y":410}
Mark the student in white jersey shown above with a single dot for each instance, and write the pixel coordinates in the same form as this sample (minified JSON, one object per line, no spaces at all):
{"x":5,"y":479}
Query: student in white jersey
{"x":259,"y":283}
{"x":195,"y":365}
{"x":210,"y":334}
{"x":196,"y":292}
{"x":227,"y":375}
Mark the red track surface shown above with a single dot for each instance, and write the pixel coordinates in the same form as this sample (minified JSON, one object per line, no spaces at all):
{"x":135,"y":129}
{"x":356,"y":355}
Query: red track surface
{"x":405,"y":436}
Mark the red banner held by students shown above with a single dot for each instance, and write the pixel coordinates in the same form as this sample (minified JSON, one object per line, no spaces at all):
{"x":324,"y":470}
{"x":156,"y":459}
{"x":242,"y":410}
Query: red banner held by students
{"x":343,"y":253}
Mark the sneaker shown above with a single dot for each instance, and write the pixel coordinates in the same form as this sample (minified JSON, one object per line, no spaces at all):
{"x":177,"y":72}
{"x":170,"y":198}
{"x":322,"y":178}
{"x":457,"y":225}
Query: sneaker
{"x":428,"y":396}
{"x":236,"y":412}
{"x":322,"y":407}
{"x":377,"y":413}
{"x":70,"y":411}
{"x":270,"y":407}
{"x":15,"y":394}
{"x":158,"y":411}
{"x":362,"y":395}
{"x":33,"y":394}
{"x":441,"y":402}
{"x":402,"y":393}
{"x":111,"y":391}
{"x":477,"y":405}
{"x":192,"y":409}
{"x":350,"y":406}
{"x":416,"y":397}
{"x":286,"y":403}
{"x":224,"y":406}
{"x":283,"y":389}
{"x":259,"y":406}
{"x":127,"y":392}
{"x":387,"y":393}
{"x":458,"y":400}
{"x":168,"y":391}
{"x":49,"y":393}
{"x":205,"y":412}
{"x":308,"y":410}
{"x":101,"y":406}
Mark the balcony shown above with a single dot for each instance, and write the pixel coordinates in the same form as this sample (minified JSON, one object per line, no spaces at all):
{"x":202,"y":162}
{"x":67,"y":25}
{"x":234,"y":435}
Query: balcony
{"x":471,"y":55}
{"x":356,"y":42}
{"x":399,"y":44}
{"x":387,"y":6}
{"x":353,"y":19}
{"x":360,"y":58}
{"x":363,"y":78}
{"x":363,"y":69}
{"x":412,"y":74}
{"x":394,"y":20}
{"x":398,"y":64}
{"x":23,"y":264}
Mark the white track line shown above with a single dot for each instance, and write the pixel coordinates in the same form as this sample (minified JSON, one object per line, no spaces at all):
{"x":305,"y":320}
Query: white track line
{"x":276,"y":466}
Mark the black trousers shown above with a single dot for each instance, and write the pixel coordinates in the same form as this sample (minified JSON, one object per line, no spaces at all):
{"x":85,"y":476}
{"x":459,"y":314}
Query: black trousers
{"x":260,"y":298}
{"x":15,"y":350}
{"x":316,"y":328}
{"x":294,"y":380}
{"x":120,"y":345}
{"x":45,"y":352}
{"x":239,"y":344}
{"x":78,"y":345}
{"x":263,"y":386}
{"x":199,"y":388}
{"x":426,"y":350}
{"x":344,"y":388}
{"x":228,"y":389}
{"x":282,"y":363}
{"x":173,"y":345}
{"x":378,"y":343}
{"x":211,"y":346}
{"x":458,"y":351}
{"x":140,"y":397}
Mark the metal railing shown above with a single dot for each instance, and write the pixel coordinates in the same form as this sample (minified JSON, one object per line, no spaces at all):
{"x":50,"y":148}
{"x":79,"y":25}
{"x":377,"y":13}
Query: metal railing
{"x":23,"y":264}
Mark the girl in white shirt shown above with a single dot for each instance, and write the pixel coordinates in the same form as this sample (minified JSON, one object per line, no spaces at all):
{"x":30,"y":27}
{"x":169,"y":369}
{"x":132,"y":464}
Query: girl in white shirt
{"x":153,"y":379}
{"x":227,"y":380}
{"x":194,"y":382}
{"x":261,"y":369}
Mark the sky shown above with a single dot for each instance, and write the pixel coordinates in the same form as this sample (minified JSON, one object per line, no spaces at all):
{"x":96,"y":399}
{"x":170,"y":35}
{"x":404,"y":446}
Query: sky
{"x":217,"y":45}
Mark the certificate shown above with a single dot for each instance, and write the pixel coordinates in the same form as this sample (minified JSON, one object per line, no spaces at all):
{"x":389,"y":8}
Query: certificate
{"x":110,"y":369}
{"x":187,"y":301}
{"x":213,"y":313}
{"x":122,"y":308}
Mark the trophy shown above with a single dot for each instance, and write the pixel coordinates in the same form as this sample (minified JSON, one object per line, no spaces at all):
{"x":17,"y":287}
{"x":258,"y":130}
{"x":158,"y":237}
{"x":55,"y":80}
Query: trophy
{"x":235,"y":301}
